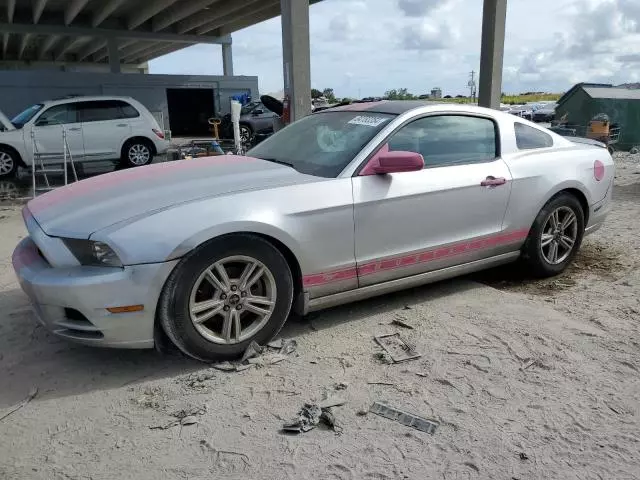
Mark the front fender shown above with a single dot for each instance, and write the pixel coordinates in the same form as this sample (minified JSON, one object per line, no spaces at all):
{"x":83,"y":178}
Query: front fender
{"x":235,"y":227}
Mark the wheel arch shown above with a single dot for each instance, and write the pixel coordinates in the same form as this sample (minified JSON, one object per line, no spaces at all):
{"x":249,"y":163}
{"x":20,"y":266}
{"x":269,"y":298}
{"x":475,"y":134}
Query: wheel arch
{"x":280,"y":239}
{"x":578,"y":193}
{"x":19,"y":158}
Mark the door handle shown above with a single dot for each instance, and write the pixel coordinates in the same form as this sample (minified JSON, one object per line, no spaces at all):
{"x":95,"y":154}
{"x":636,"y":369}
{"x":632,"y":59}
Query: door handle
{"x":122,"y":125}
{"x":74,"y":129}
{"x":493,"y":181}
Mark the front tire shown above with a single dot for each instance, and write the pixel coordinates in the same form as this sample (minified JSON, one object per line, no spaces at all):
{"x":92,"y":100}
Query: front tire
{"x":137,"y":153}
{"x":555,"y":237}
{"x":246,"y":134}
{"x":227,"y":293}
{"x":8,"y":162}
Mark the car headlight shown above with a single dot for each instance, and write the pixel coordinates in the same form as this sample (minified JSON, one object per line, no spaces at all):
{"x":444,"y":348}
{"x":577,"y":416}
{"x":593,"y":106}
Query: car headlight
{"x":89,"y":252}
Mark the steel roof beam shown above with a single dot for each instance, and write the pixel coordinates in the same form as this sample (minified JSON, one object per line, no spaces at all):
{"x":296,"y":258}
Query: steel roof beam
{"x":66,"y":46}
{"x":200,"y":19}
{"x":91,"y":48}
{"x":247,"y":21}
{"x":38,"y":8}
{"x":47,"y":45}
{"x":73,"y":9}
{"x":237,"y":15}
{"x":149,"y":10}
{"x":107,"y":9}
{"x":76,"y":31}
{"x":176,"y":13}
{"x":122,"y":45}
{"x":23,"y":44}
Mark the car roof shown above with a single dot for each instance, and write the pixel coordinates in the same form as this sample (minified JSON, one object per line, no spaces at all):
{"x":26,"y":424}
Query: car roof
{"x":83,"y":98}
{"x":398,"y":107}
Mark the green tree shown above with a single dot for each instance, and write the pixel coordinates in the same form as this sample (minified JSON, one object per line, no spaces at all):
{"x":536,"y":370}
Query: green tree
{"x":315,"y":93}
{"x":399,"y":94}
{"x":329,"y":95}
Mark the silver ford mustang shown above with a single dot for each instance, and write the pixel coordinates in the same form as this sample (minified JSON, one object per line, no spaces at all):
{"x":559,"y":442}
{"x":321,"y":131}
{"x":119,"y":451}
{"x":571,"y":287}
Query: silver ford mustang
{"x":342,"y":205}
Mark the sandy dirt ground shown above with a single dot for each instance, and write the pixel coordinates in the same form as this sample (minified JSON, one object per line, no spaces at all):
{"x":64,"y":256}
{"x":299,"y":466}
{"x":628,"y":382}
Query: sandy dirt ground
{"x":527,"y":379}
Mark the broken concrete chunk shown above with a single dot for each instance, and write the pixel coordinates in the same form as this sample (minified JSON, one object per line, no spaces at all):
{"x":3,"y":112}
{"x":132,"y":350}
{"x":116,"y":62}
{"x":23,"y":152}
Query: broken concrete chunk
{"x":403,"y":417}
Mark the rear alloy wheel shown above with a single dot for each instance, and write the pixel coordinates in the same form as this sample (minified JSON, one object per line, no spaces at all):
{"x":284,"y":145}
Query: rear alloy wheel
{"x":556,"y":236}
{"x":138,"y":154}
{"x":227,"y":293}
{"x":8,"y":163}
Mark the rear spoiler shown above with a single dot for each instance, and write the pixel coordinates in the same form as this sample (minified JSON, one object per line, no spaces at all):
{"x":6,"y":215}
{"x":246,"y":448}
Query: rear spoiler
{"x":586,"y":141}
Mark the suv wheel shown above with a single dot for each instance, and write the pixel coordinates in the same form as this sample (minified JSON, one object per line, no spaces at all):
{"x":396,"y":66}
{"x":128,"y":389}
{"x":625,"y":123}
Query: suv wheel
{"x":137,"y":153}
{"x":8,"y":162}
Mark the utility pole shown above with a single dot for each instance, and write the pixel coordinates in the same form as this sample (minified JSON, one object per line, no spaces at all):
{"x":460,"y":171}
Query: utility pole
{"x":472,"y":86}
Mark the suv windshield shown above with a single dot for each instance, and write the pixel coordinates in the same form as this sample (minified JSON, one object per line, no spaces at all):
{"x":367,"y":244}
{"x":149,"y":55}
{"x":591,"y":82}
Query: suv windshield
{"x":322,"y":144}
{"x":19,"y":120}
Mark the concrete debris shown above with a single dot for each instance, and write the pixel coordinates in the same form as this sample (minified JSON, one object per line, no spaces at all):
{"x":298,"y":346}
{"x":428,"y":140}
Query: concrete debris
{"x":189,"y":420}
{"x":401,"y":323}
{"x":341,"y":386}
{"x":253,"y":350}
{"x":310,"y":416}
{"x":405,"y":418}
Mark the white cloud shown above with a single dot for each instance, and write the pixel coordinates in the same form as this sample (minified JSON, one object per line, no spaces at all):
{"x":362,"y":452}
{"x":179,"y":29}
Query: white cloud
{"x":364,"y":47}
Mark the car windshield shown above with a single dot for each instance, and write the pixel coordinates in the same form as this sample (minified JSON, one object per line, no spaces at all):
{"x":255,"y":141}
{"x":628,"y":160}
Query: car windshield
{"x":322,"y":144}
{"x":248,"y":108}
{"x":19,"y":120}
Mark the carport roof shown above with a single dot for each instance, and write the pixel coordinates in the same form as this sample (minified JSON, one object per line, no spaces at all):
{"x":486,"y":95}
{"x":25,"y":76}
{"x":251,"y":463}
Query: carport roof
{"x":69,"y":31}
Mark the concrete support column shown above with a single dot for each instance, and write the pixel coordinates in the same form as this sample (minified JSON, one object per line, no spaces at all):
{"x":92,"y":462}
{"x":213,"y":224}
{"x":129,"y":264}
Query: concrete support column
{"x":494,"y":19}
{"x":114,"y":55}
{"x":296,"y":56}
{"x":227,"y":60}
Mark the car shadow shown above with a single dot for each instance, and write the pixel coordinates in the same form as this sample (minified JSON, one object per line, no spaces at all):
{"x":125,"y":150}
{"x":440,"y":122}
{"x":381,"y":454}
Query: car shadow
{"x":30,"y":356}
{"x":33,"y":357}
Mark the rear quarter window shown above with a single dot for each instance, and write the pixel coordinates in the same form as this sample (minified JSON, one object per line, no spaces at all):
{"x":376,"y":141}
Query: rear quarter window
{"x":529,"y":138}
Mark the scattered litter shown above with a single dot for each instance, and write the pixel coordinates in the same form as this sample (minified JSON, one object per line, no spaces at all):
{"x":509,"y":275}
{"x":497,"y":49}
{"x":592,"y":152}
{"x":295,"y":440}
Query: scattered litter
{"x":383,"y":357}
{"x":332,"y":402}
{"x":275,"y":358}
{"x":341,"y":386}
{"x":401,"y":323}
{"x":523,"y":456}
{"x":188,"y":420}
{"x":253,"y":350}
{"x":182,"y":418}
{"x":225,"y":366}
{"x":422,"y":374}
{"x":288,"y":347}
{"x":388,"y":384}
{"x":32,"y":394}
{"x":406,"y":307}
{"x":405,"y":418}
{"x":398,"y":349}
{"x":472,"y":466}
{"x":362,"y":412}
{"x":310,"y":416}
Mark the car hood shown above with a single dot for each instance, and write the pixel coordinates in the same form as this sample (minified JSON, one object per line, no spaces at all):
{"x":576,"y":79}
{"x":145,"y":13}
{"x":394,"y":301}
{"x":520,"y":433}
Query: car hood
{"x":5,"y":123}
{"x":84,"y":207}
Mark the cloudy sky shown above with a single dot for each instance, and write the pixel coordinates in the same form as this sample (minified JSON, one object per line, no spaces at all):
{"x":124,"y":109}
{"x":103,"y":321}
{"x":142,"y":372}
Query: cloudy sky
{"x":365,"y":47}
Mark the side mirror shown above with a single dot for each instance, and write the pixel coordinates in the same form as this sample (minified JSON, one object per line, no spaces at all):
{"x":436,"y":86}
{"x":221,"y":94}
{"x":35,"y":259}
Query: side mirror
{"x":396,"y":162}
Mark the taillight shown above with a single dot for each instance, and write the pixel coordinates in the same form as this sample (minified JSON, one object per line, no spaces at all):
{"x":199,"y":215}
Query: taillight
{"x":158,"y":133}
{"x":598,"y":170}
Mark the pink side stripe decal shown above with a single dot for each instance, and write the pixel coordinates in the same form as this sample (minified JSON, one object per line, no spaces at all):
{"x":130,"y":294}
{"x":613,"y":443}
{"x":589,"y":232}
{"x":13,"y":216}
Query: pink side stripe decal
{"x":415,"y":258}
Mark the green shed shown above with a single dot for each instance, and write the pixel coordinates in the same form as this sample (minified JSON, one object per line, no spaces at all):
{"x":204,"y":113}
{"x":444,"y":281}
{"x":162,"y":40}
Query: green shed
{"x":586,"y":100}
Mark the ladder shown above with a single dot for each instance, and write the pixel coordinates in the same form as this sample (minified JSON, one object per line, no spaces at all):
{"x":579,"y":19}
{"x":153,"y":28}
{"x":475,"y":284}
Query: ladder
{"x":38,"y":167}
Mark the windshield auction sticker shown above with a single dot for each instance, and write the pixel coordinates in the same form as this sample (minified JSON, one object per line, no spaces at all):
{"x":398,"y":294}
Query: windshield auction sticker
{"x":368,"y":120}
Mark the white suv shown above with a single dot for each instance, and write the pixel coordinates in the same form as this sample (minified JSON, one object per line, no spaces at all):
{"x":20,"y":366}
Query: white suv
{"x":97,"y":128}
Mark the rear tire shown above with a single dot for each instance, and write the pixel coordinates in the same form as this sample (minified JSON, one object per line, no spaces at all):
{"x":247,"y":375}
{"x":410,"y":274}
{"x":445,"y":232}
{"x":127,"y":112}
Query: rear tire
{"x":241,"y":309}
{"x":137,"y":153}
{"x":555,"y":237}
{"x":8,"y":162}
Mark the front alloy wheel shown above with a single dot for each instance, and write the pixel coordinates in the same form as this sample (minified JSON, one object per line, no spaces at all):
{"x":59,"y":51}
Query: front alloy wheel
{"x":228,"y":292}
{"x":8,"y":164}
{"x":232,"y":299}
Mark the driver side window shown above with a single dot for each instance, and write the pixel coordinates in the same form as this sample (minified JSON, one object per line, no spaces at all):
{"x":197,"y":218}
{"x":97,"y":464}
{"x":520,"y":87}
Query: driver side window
{"x":445,"y":140}
{"x":57,"y":115}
